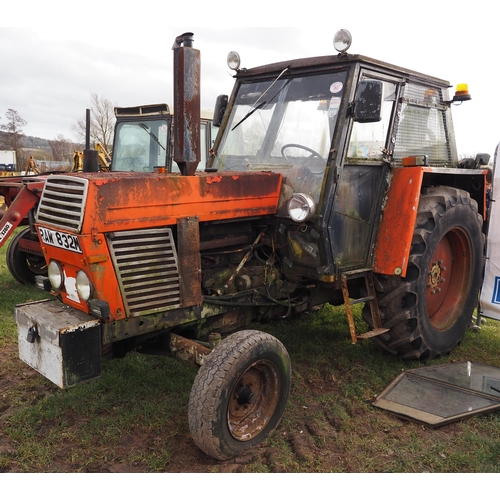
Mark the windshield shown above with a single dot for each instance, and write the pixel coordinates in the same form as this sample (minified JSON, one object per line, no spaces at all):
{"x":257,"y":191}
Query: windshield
{"x":284,"y":125}
{"x":140,"y":145}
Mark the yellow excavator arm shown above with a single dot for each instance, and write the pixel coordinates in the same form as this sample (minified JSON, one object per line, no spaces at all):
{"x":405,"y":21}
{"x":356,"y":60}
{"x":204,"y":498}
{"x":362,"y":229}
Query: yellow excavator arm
{"x":103,"y":155}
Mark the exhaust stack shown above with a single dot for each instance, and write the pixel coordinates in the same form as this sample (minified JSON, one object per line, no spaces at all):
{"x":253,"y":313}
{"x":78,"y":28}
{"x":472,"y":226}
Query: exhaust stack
{"x":90,"y":156}
{"x":186,"y":104}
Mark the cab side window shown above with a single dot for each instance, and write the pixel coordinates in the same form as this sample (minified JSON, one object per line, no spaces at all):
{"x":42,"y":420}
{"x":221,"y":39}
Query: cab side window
{"x":369,"y":139}
{"x":425,"y":125}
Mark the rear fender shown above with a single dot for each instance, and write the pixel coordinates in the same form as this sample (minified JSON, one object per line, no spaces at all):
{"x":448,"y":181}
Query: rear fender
{"x":394,"y":237}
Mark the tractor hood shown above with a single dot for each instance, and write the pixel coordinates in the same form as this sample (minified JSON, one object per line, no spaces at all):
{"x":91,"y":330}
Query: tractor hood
{"x":84,"y":202}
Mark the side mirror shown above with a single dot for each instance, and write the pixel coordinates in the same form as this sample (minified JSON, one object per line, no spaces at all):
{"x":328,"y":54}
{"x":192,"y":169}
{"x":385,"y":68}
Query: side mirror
{"x":368,"y":101}
{"x":219,"y":110}
{"x":482,"y":159}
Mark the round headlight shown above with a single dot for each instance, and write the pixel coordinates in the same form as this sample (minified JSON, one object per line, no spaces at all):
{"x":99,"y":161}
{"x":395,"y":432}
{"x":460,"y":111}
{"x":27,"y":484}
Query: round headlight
{"x":301,"y":207}
{"x":233,"y":60}
{"x":342,"y":40}
{"x":83,"y":286}
{"x":56,"y":276}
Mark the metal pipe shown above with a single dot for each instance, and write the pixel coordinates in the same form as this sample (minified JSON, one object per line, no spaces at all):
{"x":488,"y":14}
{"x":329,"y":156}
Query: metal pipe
{"x":87,"y":129}
{"x":187,"y":100}
{"x":90,"y":156}
{"x":241,"y":264}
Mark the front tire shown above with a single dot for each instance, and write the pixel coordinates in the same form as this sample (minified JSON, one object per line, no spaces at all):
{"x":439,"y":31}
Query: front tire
{"x":429,"y":310}
{"x":24,"y":266}
{"x":239,"y":394}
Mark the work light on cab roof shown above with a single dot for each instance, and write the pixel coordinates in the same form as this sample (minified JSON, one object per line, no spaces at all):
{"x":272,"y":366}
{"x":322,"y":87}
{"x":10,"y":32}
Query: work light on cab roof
{"x":233,"y":60}
{"x":342,"y":41}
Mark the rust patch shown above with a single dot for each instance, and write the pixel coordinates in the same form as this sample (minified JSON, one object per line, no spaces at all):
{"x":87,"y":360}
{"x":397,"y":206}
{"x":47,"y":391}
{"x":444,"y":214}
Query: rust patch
{"x":137,"y":200}
{"x":214,"y":179}
{"x":188,"y":250}
{"x":187,"y":350}
{"x":187,"y":67}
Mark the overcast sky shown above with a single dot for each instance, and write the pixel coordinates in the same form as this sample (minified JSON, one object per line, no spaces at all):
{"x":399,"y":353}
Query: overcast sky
{"x":53,"y":61}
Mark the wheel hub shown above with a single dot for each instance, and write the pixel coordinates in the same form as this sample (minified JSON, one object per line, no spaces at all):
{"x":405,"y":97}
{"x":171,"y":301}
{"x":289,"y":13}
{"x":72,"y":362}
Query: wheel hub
{"x":436,"y":276}
{"x":448,"y":278}
{"x":245,"y":396}
{"x":253,"y":401}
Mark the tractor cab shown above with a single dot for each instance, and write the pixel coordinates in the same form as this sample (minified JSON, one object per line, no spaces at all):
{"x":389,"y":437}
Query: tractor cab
{"x":143,"y":139}
{"x":334,"y":127}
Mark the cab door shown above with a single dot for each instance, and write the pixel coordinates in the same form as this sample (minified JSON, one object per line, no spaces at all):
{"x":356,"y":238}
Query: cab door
{"x":361,"y":180}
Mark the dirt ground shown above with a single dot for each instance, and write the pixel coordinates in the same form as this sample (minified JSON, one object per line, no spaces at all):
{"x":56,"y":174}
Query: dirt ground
{"x":187,"y":457}
{"x":315,"y":447}
{"x":19,"y":378}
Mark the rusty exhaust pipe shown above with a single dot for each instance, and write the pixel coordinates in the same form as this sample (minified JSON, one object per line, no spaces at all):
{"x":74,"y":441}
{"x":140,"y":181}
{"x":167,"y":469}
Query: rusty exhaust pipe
{"x":186,"y":104}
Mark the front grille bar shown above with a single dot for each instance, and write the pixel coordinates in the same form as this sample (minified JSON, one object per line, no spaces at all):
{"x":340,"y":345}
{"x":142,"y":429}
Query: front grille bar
{"x":63,"y":202}
{"x":146,"y":265}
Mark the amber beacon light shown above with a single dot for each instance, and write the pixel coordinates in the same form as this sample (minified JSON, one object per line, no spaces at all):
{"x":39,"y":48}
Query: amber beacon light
{"x":461,"y":93}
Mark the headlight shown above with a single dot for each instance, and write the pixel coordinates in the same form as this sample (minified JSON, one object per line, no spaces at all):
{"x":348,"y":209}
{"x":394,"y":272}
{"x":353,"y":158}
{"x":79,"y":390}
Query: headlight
{"x":56,"y":276}
{"x":301,"y":207}
{"x":83,"y":286}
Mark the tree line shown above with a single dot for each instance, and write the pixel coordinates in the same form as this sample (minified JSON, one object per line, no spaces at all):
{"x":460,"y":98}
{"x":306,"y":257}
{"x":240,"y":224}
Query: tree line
{"x":102,"y":121}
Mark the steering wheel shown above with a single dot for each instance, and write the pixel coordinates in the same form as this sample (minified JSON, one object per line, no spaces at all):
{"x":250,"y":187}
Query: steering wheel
{"x":314,"y":154}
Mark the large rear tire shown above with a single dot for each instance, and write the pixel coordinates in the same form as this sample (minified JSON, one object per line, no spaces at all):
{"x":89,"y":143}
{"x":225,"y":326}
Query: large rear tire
{"x":239,"y":394}
{"x":428,"y":311}
{"x":24,"y":266}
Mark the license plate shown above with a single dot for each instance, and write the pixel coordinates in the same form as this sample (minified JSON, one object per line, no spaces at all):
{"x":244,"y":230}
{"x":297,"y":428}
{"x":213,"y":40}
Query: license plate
{"x":5,"y":230}
{"x":61,"y":240}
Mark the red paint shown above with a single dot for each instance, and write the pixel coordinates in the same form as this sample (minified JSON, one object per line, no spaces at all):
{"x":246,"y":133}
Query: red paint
{"x":395,"y":233}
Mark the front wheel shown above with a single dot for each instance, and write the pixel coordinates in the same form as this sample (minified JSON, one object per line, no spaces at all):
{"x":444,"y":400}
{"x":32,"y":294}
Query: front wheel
{"x":24,"y":266}
{"x":428,"y":311}
{"x":239,"y":394}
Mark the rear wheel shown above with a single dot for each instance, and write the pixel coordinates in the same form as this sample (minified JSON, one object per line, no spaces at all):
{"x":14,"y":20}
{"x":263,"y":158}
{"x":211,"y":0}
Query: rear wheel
{"x":429,"y":310}
{"x":239,"y":394}
{"x":24,"y":266}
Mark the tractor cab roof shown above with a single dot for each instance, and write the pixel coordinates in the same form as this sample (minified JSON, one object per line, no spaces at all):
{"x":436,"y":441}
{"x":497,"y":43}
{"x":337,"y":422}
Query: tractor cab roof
{"x":334,"y":61}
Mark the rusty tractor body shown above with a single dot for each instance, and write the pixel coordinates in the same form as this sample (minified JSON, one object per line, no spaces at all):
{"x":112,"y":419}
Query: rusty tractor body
{"x":333,"y":180}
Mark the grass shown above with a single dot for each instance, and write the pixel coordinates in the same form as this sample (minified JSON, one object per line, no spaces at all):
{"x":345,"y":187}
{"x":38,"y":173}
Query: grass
{"x":134,"y":418}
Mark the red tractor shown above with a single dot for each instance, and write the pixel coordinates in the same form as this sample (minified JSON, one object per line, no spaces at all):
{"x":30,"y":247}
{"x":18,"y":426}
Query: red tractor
{"x":333,"y":180}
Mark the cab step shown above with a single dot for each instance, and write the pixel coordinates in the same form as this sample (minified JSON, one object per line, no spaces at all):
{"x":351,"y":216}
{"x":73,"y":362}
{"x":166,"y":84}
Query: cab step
{"x":371,"y":299}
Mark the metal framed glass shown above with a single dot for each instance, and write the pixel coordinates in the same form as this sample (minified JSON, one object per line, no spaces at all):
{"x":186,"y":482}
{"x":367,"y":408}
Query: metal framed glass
{"x":437,"y":395}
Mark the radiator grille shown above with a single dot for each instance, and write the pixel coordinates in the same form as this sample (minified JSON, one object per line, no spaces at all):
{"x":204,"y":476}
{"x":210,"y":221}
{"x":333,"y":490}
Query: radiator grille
{"x":146,"y":264}
{"x":63,"y":202}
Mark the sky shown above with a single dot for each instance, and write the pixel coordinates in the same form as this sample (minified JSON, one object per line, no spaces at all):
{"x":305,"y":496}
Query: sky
{"x":59,"y":55}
